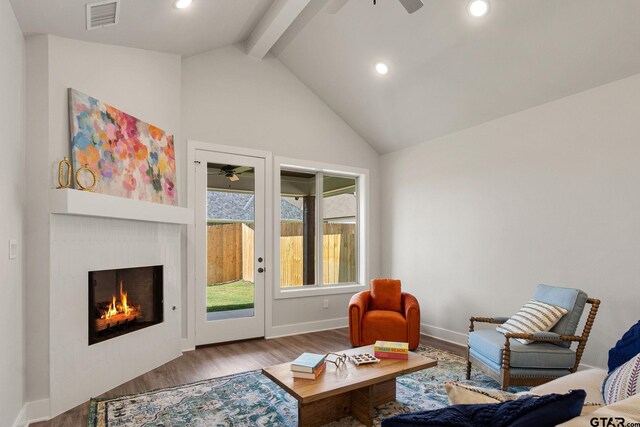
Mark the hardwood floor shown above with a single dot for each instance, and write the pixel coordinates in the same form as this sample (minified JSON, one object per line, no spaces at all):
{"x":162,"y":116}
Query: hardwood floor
{"x":224,"y":359}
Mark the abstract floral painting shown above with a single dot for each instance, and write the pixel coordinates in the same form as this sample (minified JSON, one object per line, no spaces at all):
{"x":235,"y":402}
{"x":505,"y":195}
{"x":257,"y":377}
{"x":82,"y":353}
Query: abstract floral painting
{"x":129,"y":157}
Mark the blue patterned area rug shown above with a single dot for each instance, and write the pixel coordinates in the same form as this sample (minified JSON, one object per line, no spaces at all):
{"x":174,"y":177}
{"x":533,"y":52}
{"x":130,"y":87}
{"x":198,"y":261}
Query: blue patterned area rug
{"x":251,"y":399}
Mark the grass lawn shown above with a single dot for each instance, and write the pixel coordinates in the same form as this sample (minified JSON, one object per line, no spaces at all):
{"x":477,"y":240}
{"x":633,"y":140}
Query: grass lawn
{"x":230,"y":296}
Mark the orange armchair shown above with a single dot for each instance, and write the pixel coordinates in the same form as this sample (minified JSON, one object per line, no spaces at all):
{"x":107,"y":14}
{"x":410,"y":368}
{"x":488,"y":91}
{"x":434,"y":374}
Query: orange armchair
{"x":384,"y":313}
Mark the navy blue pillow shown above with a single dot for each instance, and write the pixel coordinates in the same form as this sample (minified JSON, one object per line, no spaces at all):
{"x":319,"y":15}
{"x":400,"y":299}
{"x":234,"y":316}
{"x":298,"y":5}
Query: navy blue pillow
{"x":626,"y":348}
{"x":548,"y":410}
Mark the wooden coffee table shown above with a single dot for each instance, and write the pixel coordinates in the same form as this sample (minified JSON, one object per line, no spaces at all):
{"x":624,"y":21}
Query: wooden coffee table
{"x":350,"y":390}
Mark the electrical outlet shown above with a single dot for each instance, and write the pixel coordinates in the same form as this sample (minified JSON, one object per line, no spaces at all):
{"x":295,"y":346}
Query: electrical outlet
{"x":326,"y":303}
{"x":13,"y":248}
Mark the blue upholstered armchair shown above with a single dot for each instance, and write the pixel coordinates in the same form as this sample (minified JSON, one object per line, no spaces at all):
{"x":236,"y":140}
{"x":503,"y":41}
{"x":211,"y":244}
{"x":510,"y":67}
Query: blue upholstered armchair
{"x":549,"y":356}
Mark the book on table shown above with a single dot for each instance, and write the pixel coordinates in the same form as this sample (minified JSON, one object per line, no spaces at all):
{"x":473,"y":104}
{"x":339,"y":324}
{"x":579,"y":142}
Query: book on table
{"x":391,"y":350}
{"x":310,"y":375}
{"x":308,"y":362}
{"x":385,"y":355}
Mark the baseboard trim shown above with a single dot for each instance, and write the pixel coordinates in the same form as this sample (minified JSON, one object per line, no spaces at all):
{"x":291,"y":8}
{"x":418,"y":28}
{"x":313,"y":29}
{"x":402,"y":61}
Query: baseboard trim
{"x":21,"y":419}
{"x":306,"y":327}
{"x":37,"y":410}
{"x":187,"y":345}
{"x":443,"y":334}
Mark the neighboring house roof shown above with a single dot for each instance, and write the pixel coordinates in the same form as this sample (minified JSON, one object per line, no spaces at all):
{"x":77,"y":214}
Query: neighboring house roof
{"x":289,"y":212}
{"x":226,"y":206}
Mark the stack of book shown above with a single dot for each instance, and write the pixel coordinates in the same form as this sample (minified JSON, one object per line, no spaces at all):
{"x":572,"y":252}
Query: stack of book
{"x":391,"y":350}
{"x":308,"y":366}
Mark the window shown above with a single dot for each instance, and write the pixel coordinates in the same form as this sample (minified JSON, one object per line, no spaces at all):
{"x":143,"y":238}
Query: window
{"x":339,"y":230}
{"x":320,"y":229}
{"x":297,"y":228}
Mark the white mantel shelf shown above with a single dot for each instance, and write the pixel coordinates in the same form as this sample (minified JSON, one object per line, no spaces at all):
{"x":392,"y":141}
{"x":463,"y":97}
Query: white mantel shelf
{"x":84,"y":203}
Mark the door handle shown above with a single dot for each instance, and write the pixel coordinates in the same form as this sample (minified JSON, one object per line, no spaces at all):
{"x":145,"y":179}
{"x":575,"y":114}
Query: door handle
{"x":260,"y":270}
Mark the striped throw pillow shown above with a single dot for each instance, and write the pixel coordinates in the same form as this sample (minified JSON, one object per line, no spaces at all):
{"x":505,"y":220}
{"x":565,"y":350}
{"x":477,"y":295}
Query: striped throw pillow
{"x":623,"y":382}
{"x":535,"y":316}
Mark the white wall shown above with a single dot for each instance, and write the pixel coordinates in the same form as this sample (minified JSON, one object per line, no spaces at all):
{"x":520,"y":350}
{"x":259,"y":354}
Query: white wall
{"x":37,"y":219}
{"x":12,"y":211}
{"x":232,"y":99}
{"x":475,"y":220}
{"x":143,"y":83}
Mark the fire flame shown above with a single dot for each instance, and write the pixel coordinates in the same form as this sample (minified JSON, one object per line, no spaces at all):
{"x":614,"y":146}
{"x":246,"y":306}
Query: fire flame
{"x":113,"y":308}
{"x":123,"y":297}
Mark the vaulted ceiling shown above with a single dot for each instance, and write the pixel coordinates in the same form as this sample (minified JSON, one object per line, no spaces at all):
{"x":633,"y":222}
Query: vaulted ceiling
{"x":148,"y":24}
{"x":448,"y":71}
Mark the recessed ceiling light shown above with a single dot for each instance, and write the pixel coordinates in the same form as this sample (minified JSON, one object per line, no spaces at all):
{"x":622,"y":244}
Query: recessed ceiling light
{"x":182,"y":4}
{"x":382,"y":68}
{"x":478,"y":8}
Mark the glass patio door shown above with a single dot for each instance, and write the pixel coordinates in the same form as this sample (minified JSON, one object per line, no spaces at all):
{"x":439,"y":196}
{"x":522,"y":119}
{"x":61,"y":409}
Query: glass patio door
{"x":230,"y":241}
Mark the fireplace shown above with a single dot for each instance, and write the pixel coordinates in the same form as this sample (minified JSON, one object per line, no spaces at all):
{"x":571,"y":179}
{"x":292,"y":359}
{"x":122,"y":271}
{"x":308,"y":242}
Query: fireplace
{"x":124,"y":300}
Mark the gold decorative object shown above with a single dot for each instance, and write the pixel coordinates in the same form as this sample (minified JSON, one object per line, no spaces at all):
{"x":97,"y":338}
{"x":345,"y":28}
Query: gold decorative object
{"x":67,"y":182}
{"x":82,"y":187}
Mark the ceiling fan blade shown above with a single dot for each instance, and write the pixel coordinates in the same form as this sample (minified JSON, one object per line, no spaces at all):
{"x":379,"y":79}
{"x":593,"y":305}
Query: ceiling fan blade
{"x":411,"y":5}
{"x":242,"y":169}
{"x":335,"y":5}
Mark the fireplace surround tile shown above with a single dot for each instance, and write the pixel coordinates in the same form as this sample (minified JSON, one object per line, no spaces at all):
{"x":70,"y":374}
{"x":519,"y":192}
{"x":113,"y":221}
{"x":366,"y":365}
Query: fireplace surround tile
{"x":82,"y":244}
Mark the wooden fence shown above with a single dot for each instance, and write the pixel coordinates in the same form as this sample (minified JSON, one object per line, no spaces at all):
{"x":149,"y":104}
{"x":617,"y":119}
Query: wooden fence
{"x":248,"y":253}
{"x":339,"y":253}
{"x":230,"y":253}
{"x":224,"y":253}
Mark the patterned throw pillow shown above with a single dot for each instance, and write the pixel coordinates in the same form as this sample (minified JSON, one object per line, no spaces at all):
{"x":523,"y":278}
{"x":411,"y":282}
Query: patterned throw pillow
{"x":535,"y":316}
{"x":623,"y":382}
{"x":465,"y":394}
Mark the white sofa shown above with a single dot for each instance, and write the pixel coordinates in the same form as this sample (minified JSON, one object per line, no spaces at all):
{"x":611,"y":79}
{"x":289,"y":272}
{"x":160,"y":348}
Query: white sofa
{"x":591,"y":381}
{"x":588,"y":380}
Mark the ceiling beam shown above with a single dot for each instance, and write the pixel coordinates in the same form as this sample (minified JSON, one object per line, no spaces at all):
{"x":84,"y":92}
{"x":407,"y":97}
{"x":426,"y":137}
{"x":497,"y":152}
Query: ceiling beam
{"x":275,"y":22}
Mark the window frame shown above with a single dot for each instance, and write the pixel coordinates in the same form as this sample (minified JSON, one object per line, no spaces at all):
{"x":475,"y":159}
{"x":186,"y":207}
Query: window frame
{"x":362,"y":192}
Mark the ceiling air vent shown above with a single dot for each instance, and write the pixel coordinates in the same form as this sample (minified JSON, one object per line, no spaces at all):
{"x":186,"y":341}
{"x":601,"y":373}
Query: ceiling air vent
{"x":102,"y":14}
